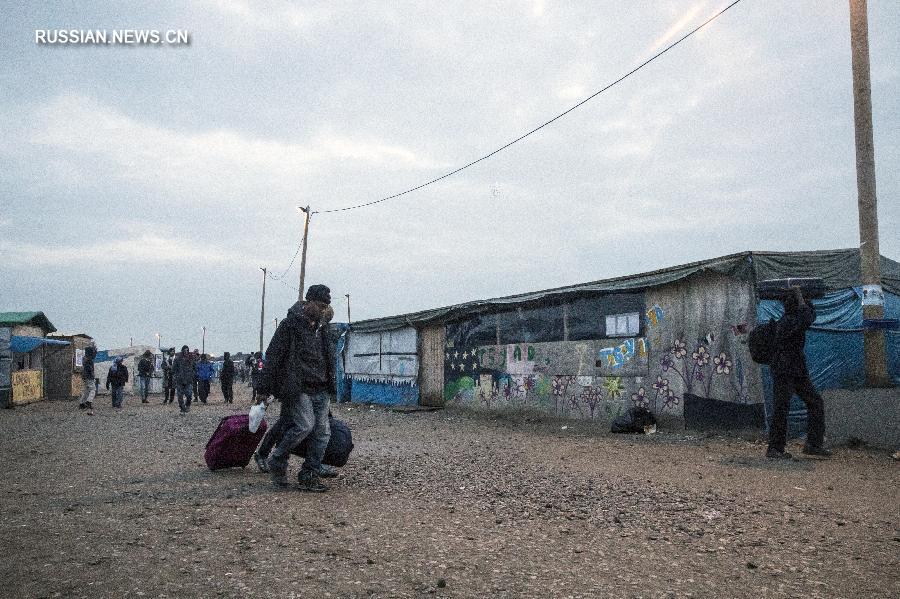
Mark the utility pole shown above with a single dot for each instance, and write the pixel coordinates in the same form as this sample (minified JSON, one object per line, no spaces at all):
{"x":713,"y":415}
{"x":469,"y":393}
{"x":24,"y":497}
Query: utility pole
{"x":203,"y":343}
{"x":869,"y":252}
{"x":347,"y":295}
{"x":303,"y":257}
{"x":262,"y":312}
{"x":158,"y":341}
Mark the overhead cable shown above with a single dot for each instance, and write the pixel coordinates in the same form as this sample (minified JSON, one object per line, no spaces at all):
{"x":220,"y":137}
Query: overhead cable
{"x":539,"y":127}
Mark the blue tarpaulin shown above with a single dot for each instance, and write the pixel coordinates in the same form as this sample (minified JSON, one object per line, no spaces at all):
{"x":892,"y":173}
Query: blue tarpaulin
{"x":834,"y":347}
{"x":22,"y":344}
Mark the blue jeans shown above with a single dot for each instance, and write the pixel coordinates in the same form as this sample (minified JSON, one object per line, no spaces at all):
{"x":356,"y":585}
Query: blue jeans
{"x":117,"y":394}
{"x":184,"y":391}
{"x":299,"y":418}
{"x":145,"y":387}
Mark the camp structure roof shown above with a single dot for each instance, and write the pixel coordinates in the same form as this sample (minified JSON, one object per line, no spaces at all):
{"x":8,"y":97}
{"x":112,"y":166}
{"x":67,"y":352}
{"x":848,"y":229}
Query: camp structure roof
{"x":65,"y":335}
{"x":840,"y":269}
{"x":23,"y":318}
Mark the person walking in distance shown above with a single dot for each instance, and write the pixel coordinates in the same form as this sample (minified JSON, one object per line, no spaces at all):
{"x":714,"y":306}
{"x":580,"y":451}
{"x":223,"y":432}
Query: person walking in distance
{"x":89,"y":387}
{"x":790,"y":375}
{"x":115,"y":381}
{"x":205,"y":374}
{"x":226,"y":378}
{"x":184,"y":376}
{"x":255,"y":368}
{"x":145,"y":372}
{"x":168,"y":380}
{"x":299,"y":371}
{"x":195,"y":357}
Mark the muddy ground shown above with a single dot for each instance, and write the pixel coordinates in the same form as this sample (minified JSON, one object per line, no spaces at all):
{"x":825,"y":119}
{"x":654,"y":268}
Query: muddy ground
{"x":447,"y":504}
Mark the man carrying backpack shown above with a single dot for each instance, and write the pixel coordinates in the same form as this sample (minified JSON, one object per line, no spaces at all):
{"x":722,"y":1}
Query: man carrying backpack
{"x":790,"y":375}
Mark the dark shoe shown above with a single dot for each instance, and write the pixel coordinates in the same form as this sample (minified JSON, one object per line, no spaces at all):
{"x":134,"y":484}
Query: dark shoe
{"x":778,"y":454}
{"x":820,"y":452}
{"x":82,"y":406}
{"x":279,"y":478}
{"x":260,"y":462}
{"x":310,"y":483}
{"x":326,"y":471}
{"x":89,"y":405}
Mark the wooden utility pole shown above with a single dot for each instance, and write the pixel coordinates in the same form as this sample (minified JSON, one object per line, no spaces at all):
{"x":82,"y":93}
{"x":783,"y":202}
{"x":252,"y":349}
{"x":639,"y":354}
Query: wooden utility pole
{"x":203,"y":343}
{"x":308,"y":214}
{"x":348,"y":307}
{"x":869,"y":252}
{"x":262,"y":311}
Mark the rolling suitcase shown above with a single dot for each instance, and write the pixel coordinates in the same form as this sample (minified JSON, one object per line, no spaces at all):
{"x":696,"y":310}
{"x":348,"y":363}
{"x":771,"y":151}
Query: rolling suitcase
{"x":777,"y":289}
{"x":339,"y":445}
{"x":233,"y":444}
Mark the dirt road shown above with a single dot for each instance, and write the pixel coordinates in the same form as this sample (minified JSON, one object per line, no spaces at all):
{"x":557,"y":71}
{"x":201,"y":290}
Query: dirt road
{"x":446,"y":504}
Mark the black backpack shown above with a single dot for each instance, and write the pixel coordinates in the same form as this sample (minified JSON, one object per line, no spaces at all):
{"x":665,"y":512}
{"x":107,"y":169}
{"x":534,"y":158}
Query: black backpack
{"x":762,"y":342}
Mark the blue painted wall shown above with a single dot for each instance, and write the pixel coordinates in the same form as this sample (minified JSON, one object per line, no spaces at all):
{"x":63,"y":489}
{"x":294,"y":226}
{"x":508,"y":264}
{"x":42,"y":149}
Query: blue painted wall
{"x":385,"y":393}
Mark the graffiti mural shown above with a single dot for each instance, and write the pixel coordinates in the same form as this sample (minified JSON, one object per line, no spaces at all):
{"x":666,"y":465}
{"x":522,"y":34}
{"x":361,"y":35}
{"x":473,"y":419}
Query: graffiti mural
{"x":659,"y":368}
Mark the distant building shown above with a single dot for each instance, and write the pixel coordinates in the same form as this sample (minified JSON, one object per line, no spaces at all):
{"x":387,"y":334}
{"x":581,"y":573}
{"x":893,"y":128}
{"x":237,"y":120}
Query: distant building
{"x":24,"y":349}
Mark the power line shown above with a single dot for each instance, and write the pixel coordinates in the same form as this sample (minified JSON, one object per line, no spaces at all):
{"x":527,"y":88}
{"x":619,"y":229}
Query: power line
{"x":282,"y":281}
{"x":286,"y":270}
{"x":538,"y":128}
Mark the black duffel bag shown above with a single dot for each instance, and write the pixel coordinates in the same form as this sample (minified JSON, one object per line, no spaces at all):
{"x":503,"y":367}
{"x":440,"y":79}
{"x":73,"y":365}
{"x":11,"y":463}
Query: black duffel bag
{"x":339,"y":445}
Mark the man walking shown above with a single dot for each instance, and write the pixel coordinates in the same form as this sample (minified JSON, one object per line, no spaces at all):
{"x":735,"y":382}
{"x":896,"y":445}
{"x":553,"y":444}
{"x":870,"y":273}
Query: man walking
{"x":299,"y":371}
{"x":226,"y":378}
{"x":145,"y":372}
{"x":168,"y":380}
{"x":205,"y":373}
{"x":115,"y":381}
{"x":790,"y":375}
{"x":184,"y":376}
{"x":89,"y":386}
{"x":195,"y":357}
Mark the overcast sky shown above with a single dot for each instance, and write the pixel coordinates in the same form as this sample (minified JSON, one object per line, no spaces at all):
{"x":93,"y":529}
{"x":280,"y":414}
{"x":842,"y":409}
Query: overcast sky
{"x":142,"y":187}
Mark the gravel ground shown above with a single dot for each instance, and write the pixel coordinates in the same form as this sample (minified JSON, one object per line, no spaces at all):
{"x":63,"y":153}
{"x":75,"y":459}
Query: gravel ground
{"x":446,"y":503}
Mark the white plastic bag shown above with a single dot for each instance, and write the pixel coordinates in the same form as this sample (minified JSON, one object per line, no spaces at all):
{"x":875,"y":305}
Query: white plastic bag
{"x":257,"y":415}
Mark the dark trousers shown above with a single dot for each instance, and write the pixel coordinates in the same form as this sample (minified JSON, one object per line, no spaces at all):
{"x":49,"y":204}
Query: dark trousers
{"x":227,"y":391}
{"x":169,"y":393}
{"x":203,"y":390}
{"x":783,"y":387}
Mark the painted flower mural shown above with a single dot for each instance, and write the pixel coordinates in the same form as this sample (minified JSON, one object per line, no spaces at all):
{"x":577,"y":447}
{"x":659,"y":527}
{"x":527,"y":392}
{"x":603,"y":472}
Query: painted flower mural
{"x":723,"y":364}
{"x":696,"y":373}
{"x":640,"y":399}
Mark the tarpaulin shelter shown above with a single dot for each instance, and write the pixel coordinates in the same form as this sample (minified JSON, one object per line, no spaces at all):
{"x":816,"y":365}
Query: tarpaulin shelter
{"x":672,"y":340}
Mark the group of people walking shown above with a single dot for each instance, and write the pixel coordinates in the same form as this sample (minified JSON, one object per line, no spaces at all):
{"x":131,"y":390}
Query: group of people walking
{"x":187,"y":374}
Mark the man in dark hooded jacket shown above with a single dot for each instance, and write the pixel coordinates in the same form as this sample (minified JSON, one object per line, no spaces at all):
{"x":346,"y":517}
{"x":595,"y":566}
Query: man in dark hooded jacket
{"x":790,"y":375}
{"x":185,"y":375}
{"x":299,"y":371}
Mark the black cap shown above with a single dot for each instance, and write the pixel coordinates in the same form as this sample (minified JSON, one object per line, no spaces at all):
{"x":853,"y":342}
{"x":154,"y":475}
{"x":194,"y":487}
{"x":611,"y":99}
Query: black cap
{"x":318,"y":293}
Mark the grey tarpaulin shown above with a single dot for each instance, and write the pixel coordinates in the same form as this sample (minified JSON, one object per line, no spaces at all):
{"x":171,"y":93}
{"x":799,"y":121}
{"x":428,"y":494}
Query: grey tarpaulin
{"x":840,"y":269}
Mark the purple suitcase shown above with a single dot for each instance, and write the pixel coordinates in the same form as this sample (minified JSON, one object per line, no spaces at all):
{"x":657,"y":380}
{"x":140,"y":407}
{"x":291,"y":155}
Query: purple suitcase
{"x":233,"y":444}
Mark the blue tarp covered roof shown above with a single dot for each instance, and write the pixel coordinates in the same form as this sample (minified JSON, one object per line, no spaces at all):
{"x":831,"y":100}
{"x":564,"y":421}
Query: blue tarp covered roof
{"x":21,"y":344}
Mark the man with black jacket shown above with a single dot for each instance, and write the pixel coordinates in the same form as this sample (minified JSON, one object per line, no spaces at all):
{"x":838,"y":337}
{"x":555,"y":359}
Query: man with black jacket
{"x":299,"y":371}
{"x":790,"y":375}
{"x":145,"y":373}
{"x":226,"y":378}
{"x":185,"y":376}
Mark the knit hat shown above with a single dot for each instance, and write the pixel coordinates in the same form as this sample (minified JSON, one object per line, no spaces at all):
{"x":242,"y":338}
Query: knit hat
{"x":318,"y":293}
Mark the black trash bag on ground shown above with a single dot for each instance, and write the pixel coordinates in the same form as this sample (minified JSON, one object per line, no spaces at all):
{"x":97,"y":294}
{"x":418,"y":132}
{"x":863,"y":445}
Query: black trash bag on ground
{"x":633,"y":421}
